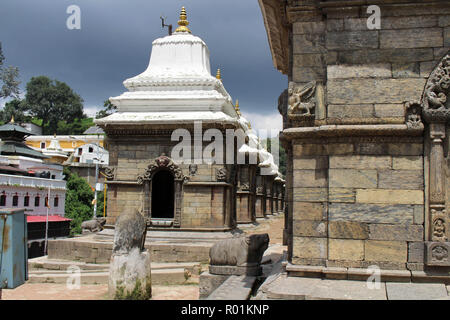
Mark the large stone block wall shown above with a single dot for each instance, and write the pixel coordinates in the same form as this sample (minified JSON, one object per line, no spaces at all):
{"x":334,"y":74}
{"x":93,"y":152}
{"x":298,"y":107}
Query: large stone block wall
{"x":357,"y":194}
{"x":369,"y":74}
{"x":358,"y":203}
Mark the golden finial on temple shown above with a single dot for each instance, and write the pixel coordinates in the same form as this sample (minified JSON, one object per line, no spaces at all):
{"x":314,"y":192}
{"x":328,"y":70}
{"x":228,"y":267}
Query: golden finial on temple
{"x":183,"y":22}
{"x":237,"y":108}
{"x":12,"y":119}
{"x":218,"y":75}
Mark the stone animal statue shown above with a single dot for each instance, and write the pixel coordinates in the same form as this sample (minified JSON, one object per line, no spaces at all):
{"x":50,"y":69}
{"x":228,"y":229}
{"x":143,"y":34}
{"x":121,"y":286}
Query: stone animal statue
{"x":130,"y":232}
{"x":240,"y":251}
{"x":94,"y":225}
{"x":302,"y":100}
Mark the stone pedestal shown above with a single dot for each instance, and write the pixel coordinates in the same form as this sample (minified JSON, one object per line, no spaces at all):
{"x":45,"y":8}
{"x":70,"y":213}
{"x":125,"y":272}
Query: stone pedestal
{"x":130,"y":276}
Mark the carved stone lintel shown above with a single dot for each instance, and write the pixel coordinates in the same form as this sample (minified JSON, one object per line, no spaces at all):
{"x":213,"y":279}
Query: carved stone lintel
{"x":162,"y":162}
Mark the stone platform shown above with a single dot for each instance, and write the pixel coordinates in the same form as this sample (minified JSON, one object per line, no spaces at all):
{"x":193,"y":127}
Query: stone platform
{"x":164,"y":246}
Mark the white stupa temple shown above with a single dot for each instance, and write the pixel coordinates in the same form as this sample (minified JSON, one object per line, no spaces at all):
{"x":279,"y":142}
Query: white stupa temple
{"x":177,"y":91}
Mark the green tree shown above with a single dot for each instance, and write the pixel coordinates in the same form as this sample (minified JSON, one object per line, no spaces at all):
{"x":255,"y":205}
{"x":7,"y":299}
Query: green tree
{"x":8,"y":79}
{"x":77,"y":126}
{"x":52,"y":101}
{"x":14,"y":108}
{"x":79,"y":196}
{"x":108,"y":109}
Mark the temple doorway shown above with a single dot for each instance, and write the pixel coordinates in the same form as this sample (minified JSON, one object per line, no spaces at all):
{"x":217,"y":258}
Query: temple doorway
{"x":163,"y":195}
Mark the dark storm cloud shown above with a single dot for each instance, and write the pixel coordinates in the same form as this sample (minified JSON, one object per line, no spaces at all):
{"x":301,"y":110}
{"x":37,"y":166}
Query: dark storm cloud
{"x":115,"y":39}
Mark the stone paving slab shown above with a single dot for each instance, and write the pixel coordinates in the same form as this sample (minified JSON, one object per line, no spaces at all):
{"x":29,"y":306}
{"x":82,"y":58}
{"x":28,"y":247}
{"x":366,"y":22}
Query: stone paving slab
{"x":415,"y":291}
{"x":296,"y":288}
{"x":234,"y":288}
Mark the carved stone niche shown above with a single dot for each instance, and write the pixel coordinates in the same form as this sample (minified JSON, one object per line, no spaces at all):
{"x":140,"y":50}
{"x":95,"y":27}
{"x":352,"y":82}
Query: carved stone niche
{"x":436,"y":113}
{"x":163,"y":163}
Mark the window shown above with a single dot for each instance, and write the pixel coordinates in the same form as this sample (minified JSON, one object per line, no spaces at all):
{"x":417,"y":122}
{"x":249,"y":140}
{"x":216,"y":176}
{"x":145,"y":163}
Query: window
{"x":42,"y":145}
{"x":53,"y":177}
{"x":36,"y":201}
{"x":56,"y":202}
{"x":91,"y":149}
{"x":3,"y":200}
{"x":15,"y":201}
{"x":47,"y":204}
{"x":80,"y":151}
{"x":26,"y":201}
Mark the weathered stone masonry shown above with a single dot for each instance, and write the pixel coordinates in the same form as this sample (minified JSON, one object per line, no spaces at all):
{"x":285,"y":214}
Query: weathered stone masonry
{"x":367,"y":179}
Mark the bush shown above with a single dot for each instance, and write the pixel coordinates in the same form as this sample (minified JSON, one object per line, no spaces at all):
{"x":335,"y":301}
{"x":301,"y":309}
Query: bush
{"x":79,"y":196}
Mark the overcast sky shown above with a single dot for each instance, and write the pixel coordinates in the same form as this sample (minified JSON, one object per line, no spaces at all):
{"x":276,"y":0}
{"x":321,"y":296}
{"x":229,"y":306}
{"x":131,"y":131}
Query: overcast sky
{"x":114,"y":44}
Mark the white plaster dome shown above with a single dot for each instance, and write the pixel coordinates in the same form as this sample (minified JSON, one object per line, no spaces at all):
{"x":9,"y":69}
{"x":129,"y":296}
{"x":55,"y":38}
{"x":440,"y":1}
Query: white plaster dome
{"x":176,"y":87}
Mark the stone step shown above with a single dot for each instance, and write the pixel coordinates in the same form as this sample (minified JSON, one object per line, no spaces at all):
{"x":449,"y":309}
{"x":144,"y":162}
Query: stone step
{"x":174,"y":276}
{"x":42,"y":264}
{"x":234,"y":288}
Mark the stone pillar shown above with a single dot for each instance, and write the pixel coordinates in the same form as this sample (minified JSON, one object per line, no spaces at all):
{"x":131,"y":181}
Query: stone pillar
{"x":436,"y":113}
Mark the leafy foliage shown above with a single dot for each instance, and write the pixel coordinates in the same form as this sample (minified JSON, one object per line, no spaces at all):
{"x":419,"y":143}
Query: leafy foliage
{"x":52,"y":101}
{"x":8,"y":79}
{"x":79,"y":196}
{"x":108,"y":109}
{"x":14,"y":108}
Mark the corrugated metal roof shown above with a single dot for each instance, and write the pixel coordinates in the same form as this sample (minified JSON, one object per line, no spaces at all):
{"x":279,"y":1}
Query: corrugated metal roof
{"x":52,"y":218}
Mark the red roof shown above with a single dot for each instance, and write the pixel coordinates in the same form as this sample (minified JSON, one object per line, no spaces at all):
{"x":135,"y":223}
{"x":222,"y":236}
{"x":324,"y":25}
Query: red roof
{"x":44,"y":218}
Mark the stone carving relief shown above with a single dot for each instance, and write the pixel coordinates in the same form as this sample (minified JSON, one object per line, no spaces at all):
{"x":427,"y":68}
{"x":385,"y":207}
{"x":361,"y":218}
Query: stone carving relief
{"x":193,"y":169}
{"x":413,"y":115}
{"x":222,"y":174}
{"x":110,"y":173}
{"x":302,"y":101}
{"x":435,"y":97}
{"x":439,"y":253}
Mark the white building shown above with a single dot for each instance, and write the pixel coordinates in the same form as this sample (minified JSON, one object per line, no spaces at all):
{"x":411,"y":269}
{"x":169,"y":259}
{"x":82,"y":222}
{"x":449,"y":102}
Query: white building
{"x":91,"y":153}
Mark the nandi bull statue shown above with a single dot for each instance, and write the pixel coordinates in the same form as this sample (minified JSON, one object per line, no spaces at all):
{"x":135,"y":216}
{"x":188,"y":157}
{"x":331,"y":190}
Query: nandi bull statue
{"x":238,"y":256}
{"x":129,"y":272}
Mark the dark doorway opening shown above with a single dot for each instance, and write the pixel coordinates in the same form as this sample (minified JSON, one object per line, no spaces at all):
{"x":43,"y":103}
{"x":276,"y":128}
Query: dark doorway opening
{"x":163,"y":195}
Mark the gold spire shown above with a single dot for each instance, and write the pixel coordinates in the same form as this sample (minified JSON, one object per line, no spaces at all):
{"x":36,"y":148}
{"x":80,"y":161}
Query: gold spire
{"x":183,"y":23}
{"x":218,"y":75}
{"x":12,"y":119}
{"x":237,"y":108}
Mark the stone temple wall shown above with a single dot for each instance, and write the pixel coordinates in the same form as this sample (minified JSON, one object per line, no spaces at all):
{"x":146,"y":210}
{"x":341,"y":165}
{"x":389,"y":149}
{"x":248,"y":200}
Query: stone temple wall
{"x":206,"y":196}
{"x":358,"y":166}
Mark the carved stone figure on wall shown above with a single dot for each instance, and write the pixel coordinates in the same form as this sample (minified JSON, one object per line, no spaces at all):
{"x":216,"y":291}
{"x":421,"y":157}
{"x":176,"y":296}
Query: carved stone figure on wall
{"x":222,"y":174}
{"x":110,"y":173}
{"x":302,"y":101}
{"x":439,"y":229}
{"x":413,"y":115}
{"x":193,"y":169}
